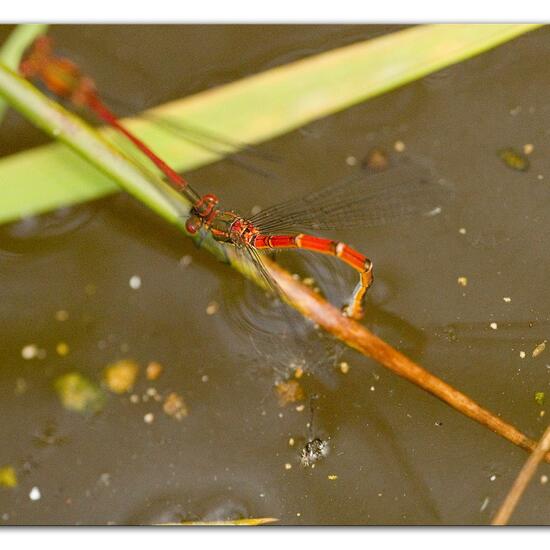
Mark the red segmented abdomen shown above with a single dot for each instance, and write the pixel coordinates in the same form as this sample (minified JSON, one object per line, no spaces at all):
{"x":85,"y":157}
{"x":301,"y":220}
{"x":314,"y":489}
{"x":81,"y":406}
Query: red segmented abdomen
{"x":352,"y":257}
{"x":274,"y":241}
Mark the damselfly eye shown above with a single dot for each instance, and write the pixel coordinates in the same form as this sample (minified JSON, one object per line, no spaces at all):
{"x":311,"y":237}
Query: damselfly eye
{"x":193,"y":224}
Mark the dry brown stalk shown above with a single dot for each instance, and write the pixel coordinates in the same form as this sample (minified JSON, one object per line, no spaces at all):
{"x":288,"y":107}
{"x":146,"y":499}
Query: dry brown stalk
{"x":330,"y":318}
{"x":524,"y":477}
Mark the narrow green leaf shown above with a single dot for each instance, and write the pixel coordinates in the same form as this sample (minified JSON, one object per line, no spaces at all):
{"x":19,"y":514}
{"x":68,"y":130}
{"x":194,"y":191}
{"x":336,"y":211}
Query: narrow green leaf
{"x":14,"y":47}
{"x":254,"y":109}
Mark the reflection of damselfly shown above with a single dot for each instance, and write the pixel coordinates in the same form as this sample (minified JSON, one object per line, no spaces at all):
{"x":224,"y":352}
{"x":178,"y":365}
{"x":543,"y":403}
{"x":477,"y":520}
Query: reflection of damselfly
{"x":403,"y":190}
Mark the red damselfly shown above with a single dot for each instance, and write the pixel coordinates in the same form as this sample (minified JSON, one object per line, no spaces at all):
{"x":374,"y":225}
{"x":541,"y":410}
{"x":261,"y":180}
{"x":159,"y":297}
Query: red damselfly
{"x":360,"y":200}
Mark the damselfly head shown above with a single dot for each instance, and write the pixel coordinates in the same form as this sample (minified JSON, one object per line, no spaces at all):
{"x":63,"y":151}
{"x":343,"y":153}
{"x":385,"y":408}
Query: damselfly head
{"x":193,"y":224}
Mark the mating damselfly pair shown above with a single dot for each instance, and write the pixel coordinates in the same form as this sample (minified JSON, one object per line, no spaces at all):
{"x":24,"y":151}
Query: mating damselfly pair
{"x":362,"y":200}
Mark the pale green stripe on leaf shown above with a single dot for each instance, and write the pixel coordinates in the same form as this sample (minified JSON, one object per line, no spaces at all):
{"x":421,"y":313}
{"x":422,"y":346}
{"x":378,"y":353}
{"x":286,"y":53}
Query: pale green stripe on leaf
{"x":254,"y":109}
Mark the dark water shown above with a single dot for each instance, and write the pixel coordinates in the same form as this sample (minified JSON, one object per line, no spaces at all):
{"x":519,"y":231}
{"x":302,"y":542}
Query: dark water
{"x":400,"y":455}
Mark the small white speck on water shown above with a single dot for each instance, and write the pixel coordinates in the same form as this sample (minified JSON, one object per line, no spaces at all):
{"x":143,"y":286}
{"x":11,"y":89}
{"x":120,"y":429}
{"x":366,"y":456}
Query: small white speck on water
{"x":372,"y":388}
{"x":493,"y":477}
{"x":528,"y":148}
{"x":291,"y":442}
{"x":344,"y":367}
{"x":539,"y":349}
{"x":134,"y":398}
{"x":484,"y":504}
{"x":212,"y":308}
{"x":522,"y":354}
{"x":135,"y":282}
{"x":351,"y":160}
{"x":204,"y":378}
{"x":280,"y":415}
{"x":507,"y":299}
{"x":288,"y":466}
{"x":462,"y":281}
{"x":29,"y":351}
{"x":186,"y":260}
{"x":462,"y":231}
{"x":399,"y":146}
{"x":149,"y":418}
{"x":544,"y":479}
{"x":35,"y":494}
{"x":300,"y":408}
{"x":61,"y":315}
{"x":540,"y":177}
{"x":494,"y":326}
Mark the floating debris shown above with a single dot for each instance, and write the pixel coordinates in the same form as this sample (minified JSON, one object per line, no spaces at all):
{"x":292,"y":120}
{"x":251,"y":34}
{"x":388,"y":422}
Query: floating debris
{"x":314,"y":451}
{"x":399,"y":146}
{"x":204,"y":378}
{"x":29,"y":351}
{"x":35,"y":494}
{"x":514,"y":160}
{"x":462,"y":281}
{"x":135,"y":282}
{"x":493,"y":325}
{"x":522,"y":355}
{"x":484,"y":504}
{"x":153,"y":370}
{"x":344,"y":367}
{"x":539,"y":398}
{"x":121,"y":376}
{"x":289,"y":391}
{"x":32,"y":351}
{"x":212,"y":308}
{"x":544,"y":479}
{"x":186,"y":260}
{"x":79,"y":394}
{"x":61,"y":315}
{"x":539,"y":349}
{"x":332,"y":477}
{"x":8,"y":477}
{"x":149,"y":418}
{"x":462,"y":231}
{"x":507,"y":299}
{"x":376,"y":160}
{"x":291,"y":442}
{"x":105,"y":479}
{"x":528,"y":148}
{"x":288,"y":466}
{"x":351,"y":160}
{"x":62,"y":349}
{"x":175,"y":406}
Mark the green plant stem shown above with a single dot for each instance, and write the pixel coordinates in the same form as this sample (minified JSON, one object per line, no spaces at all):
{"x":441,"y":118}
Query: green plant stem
{"x":14,"y":47}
